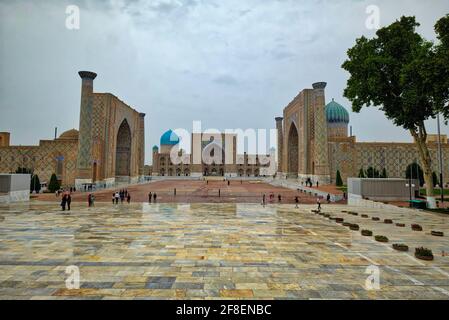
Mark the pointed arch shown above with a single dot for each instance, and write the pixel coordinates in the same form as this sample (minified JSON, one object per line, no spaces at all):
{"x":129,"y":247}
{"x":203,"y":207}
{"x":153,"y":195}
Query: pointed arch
{"x":123,"y":150}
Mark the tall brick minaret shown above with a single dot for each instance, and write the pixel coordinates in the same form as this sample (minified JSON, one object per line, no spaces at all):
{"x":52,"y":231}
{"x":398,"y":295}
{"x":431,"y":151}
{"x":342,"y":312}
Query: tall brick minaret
{"x":280,"y":147}
{"x":84,"y":161}
{"x":320,"y":145}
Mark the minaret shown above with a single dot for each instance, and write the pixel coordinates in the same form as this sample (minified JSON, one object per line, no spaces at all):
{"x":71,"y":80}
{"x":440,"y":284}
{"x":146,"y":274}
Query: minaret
{"x":141,"y":145}
{"x":321,"y":156}
{"x":280,"y":142}
{"x":84,"y":161}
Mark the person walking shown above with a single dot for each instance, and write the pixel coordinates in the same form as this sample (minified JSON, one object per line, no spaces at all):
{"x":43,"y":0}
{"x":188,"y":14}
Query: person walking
{"x":69,"y":201}
{"x":318,"y":202}
{"x":154,"y":197}
{"x":122,"y":196}
{"x":296,"y":202}
{"x":117,"y":196}
{"x":279,"y":198}
{"x":263,"y":200}
{"x":128,"y":197}
{"x":113,"y":198}
{"x":328,"y":198}
{"x":89,"y":200}
{"x":149,"y":197}
{"x":92,"y":200}
{"x":63,"y":202}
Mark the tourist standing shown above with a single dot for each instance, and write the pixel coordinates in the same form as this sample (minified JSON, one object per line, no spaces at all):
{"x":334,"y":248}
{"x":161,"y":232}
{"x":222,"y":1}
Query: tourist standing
{"x":328,"y":198}
{"x":318,"y":202}
{"x":69,"y":201}
{"x":122,"y":196}
{"x":263,"y":200}
{"x":149,"y":197}
{"x":117,"y":196}
{"x":63,"y":202}
{"x":279,"y":198}
{"x":113,"y":198}
{"x":89,"y":200}
{"x":154,"y":197}
{"x":92,"y":199}
{"x":128,"y":197}
{"x":296,"y":201}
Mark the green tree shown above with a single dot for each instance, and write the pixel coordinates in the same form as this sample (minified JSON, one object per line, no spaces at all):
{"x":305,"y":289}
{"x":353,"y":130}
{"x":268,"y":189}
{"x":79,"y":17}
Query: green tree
{"x":53,"y":185}
{"x":35,"y":183}
{"x":406,"y":76}
{"x":372,"y":173}
{"x":361,"y":173}
{"x":338,"y":180}
{"x":23,"y":170}
{"x":414,"y":171}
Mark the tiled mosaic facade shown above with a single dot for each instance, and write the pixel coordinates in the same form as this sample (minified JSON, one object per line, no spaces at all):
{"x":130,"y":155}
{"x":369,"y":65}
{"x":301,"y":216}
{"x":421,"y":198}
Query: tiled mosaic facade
{"x":312,"y":146}
{"x":240,"y":165}
{"x":90,"y":155}
{"x":50,"y":156}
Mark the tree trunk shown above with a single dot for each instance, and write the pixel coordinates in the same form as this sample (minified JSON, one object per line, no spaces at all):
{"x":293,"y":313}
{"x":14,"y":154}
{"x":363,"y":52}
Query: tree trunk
{"x":420,"y":137}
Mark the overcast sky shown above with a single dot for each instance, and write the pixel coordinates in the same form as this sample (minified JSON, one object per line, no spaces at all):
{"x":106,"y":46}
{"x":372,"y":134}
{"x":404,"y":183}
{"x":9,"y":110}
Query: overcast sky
{"x":228,"y":63}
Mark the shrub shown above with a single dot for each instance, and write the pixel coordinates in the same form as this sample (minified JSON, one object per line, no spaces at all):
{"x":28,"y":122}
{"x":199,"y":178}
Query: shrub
{"x":53,"y":185}
{"x":437,"y":233}
{"x":338,"y":180}
{"x":423,"y":253}
{"x":388,"y":221}
{"x":365,"y":216}
{"x":367,"y":233}
{"x":35,"y":183}
{"x":381,"y":238}
{"x":354,"y":227}
{"x":416,"y":227}
{"x":400,"y":247}
{"x":375,"y":218}
{"x":400,"y":225}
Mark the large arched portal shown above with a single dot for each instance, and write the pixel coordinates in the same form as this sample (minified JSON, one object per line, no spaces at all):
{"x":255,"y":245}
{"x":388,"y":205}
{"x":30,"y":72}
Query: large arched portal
{"x":292,"y":151}
{"x":123,"y":151}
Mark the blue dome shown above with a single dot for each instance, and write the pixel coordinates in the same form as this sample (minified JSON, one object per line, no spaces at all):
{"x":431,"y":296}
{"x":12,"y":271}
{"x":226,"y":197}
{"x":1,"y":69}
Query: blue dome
{"x":336,"y":113}
{"x":155,"y":147}
{"x":169,"y":138}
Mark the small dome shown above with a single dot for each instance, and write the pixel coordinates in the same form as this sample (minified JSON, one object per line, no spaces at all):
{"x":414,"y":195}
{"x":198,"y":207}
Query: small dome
{"x":69,"y":135}
{"x":169,"y":138}
{"x":336,"y":113}
{"x":155,"y":147}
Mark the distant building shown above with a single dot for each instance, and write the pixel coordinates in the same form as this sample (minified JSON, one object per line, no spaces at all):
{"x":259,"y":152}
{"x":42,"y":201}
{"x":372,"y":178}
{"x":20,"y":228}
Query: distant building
{"x":108,"y":147}
{"x":210,"y":161}
{"x":313,"y":142}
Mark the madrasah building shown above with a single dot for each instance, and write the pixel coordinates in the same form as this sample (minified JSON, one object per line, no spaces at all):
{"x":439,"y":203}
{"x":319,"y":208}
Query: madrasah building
{"x":313,"y":142}
{"x":210,"y":155}
{"x":108,"y":148}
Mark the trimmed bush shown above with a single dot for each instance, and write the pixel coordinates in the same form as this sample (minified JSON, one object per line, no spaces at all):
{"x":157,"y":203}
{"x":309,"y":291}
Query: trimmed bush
{"x":416,"y":227}
{"x":365,"y":216}
{"x":402,"y":225}
{"x":400,"y":247}
{"x":367,"y":233}
{"x":388,"y":221}
{"x":53,"y":185}
{"x":375,"y":218}
{"x":354,"y":227}
{"x":381,"y":238}
{"x":437,"y":233}
{"x":346,"y":224}
{"x":423,"y":254}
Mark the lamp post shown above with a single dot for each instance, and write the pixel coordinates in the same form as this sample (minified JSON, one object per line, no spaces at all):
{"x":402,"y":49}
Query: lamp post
{"x":440,"y":158}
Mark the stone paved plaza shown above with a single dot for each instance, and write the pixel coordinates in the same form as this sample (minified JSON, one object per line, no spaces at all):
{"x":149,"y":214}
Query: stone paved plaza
{"x":215,"y":251}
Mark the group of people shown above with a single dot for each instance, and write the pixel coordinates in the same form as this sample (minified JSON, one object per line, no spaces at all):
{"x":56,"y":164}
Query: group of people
{"x":122,"y":195}
{"x":66,"y":200}
{"x":271,"y":200}
{"x":154,"y":196}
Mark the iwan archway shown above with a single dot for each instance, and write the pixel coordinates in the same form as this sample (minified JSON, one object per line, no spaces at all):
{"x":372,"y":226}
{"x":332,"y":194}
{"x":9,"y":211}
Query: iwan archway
{"x":123,"y":151}
{"x":292,"y":155}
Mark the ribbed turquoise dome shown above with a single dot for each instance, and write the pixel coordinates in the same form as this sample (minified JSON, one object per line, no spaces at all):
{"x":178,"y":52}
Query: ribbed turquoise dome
{"x":336,"y":113}
{"x":155,"y":147}
{"x":169,"y":138}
